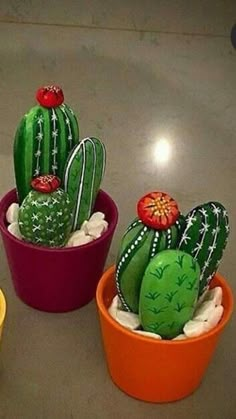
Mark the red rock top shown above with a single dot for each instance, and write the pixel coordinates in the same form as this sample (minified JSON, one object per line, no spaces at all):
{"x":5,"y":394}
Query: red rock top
{"x":46,"y":184}
{"x":50,"y":96}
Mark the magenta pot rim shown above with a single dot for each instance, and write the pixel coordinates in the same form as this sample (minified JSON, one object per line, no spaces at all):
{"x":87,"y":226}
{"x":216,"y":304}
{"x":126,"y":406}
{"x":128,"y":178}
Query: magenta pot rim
{"x":111,"y":227}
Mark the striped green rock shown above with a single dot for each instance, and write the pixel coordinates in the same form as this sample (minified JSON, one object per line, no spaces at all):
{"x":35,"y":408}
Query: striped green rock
{"x":45,"y":219}
{"x":205,"y":238}
{"x":43,"y":140}
{"x":83,"y":175}
{"x":169,"y":293}
{"x":139,"y":245}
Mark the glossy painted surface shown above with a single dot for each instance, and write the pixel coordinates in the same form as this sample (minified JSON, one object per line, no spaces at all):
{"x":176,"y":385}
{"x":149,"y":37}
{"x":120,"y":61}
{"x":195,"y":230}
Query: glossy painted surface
{"x":161,"y":95}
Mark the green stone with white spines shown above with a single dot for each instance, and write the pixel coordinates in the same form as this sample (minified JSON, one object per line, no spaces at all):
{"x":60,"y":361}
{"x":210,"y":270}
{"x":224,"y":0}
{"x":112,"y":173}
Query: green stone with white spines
{"x":46,"y":219}
{"x":83,"y":175}
{"x":205,"y":238}
{"x":44,"y":138}
{"x":139,"y":245}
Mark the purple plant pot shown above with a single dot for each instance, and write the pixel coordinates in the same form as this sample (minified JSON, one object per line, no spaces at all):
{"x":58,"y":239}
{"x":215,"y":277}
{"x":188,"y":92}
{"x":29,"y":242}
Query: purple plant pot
{"x":57,"y":280}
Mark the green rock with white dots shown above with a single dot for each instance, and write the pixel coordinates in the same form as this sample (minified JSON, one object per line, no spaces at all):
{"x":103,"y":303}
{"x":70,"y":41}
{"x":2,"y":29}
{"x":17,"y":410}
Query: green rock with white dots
{"x":169,"y":293}
{"x":45,"y":216}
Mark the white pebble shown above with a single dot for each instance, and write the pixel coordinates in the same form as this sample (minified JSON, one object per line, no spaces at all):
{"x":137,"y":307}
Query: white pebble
{"x":13,"y":228}
{"x":96,"y":228}
{"x":215,"y":295}
{"x":97,"y":216}
{"x":195,"y":328}
{"x":128,"y":320}
{"x":12,"y":213}
{"x":203,"y":312}
{"x":180,"y":337}
{"x":78,"y":238}
{"x":214,"y":317}
{"x":83,"y":226}
{"x":148,"y":334}
{"x":115,"y":305}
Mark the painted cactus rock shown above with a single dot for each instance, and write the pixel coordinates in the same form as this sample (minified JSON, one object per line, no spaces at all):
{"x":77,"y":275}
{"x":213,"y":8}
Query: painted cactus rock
{"x":141,"y":243}
{"x":169,"y":293}
{"x":44,"y":138}
{"x":205,"y":238}
{"x":84,"y":172}
{"x":45,"y":216}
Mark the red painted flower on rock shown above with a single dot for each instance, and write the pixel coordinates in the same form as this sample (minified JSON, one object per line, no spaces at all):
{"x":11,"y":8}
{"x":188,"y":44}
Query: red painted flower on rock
{"x":158,"y":210}
{"x":46,"y":184}
{"x":50,"y":96}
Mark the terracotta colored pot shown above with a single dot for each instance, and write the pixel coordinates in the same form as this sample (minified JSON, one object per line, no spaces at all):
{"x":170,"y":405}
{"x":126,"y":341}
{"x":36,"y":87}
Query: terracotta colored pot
{"x":57,"y":280}
{"x":156,"y":370}
{"x":2,"y":312}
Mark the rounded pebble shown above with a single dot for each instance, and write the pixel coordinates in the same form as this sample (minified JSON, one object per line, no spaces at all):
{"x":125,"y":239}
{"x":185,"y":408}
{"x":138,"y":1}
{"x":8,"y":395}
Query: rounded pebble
{"x":96,"y":228}
{"x":79,"y":240}
{"x":195,"y":328}
{"x":215,"y":295}
{"x":180,"y":337}
{"x":214,"y":317}
{"x":83,"y":226}
{"x":128,"y":320}
{"x":12,"y":213}
{"x":204,"y":310}
{"x":116,"y":303}
{"x":97,"y":216}
{"x":13,"y":228}
{"x":148,"y":334}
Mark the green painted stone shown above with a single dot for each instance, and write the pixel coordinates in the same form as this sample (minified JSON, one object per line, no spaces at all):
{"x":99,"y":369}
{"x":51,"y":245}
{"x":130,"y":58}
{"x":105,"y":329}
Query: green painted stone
{"x":205,"y":238}
{"x":43,"y":140}
{"x":139,"y":245}
{"x":169,"y":293}
{"x":45,"y":219}
{"x":84,"y":172}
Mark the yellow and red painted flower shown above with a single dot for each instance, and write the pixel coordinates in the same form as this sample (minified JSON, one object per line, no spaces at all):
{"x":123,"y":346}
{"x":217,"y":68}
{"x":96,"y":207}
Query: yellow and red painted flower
{"x":158,"y":210}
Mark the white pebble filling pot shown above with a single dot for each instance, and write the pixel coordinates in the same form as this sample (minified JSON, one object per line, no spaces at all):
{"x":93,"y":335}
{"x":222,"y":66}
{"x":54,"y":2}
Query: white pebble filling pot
{"x":207,"y":315}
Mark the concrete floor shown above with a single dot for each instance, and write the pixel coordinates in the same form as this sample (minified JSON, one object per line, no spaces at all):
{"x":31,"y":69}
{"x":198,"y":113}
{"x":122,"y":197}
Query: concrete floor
{"x":136,"y":72}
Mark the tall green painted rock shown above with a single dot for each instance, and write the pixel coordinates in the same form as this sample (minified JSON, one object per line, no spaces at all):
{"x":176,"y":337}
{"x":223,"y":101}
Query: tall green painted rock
{"x":84,"y":172}
{"x":44,"y":138}
{"x":157,"y":230}
{"x":169,"y":293}
{"x":45,"y":216}
{"x":205,"y":238}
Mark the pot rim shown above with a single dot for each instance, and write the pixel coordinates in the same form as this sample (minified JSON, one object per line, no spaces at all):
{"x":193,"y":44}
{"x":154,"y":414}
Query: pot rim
{"x":111,"y":227}
{"x":3,"y":307}
{"x":121,"y":329}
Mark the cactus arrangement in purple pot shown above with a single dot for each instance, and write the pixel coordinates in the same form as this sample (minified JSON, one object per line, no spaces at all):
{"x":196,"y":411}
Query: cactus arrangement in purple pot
{"x":165,"y":261}
{"x":47,"y":150}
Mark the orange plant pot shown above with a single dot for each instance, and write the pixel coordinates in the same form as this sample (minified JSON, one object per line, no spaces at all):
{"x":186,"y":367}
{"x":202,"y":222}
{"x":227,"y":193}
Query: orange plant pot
{"x":156,"y":370}
{"x":2,"y":312}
